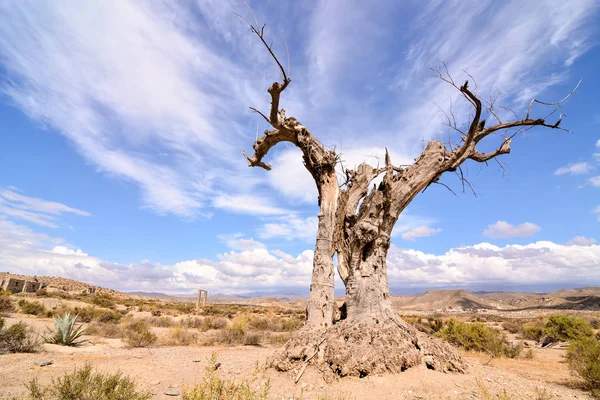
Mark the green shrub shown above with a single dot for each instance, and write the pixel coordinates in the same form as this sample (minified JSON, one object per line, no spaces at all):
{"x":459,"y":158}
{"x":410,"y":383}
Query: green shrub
{"x":65,"y":333}
{"x":138,"y":334}
{"x":566,"y":328}
{"x":104,"y":300}
{"x":31,"y":308}
{"x":478,"y":337}
{"x":19,"y":338}
{"x":84,"y":384}
{"x":213,"y":386}
{"x":583,"y":356}
{"x":533,"y":331}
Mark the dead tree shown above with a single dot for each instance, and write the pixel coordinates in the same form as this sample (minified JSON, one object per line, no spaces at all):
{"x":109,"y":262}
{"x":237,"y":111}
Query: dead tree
{"x":356,"y":220}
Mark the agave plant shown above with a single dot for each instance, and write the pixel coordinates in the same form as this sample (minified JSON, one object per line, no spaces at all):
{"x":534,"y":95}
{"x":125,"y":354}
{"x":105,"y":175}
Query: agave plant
{"x":64,"y":332}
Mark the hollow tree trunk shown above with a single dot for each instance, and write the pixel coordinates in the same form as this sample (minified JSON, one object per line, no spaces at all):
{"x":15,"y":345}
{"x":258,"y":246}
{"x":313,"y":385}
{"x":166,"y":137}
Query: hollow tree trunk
{"x":321,"y":300}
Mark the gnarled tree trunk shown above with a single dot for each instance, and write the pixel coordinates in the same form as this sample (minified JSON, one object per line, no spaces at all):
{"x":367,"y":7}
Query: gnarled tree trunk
{"x":356,"y":224}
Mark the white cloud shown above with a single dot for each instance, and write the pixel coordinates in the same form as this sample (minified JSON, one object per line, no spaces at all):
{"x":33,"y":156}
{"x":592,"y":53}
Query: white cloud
{"x":504,"y":230}
{"x":596,"y":157}
{"x":67,"y":251}
{"x":258,"y":268}
{"x":484,"y":264}
{"x":238,"y":242}
{"x":291,"y":227}
{"x":581,"y":241}
{"x":598,"y":144}
{"x":574,"y":169}
{"x":290,"y":177}
{"x":247,"y":204}
{"x":595,"y":181}
{"x":37,"y":211}
{"x":420,"y":231}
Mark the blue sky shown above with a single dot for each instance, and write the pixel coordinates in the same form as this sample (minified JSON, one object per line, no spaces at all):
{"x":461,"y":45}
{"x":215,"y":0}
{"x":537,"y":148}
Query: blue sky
{"x":123,"y":125}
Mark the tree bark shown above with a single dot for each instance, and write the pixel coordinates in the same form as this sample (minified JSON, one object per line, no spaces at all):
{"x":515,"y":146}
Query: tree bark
{"x":367,"y":290}
{"x":321,"y":300}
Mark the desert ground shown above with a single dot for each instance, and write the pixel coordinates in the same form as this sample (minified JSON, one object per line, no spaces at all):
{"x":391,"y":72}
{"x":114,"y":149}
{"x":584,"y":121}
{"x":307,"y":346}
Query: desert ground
{"x":243,"y":336}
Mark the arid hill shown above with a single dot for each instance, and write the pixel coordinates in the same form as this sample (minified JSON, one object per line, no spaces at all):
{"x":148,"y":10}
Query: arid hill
{"x":53,"y":283}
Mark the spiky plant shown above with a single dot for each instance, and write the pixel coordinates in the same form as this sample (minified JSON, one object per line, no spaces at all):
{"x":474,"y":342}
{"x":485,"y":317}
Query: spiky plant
{"x":65,"y":332}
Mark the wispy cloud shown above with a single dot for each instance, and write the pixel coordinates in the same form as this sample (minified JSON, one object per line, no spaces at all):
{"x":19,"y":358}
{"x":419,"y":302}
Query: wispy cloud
{"x":504,"y":230}
{"x":126,"y":82}
{"x":37,"y":211}
{"x":247,"y":204}
{"x":420,"y":231}
{"x":574,"y":169}
{"x":291,"y":227}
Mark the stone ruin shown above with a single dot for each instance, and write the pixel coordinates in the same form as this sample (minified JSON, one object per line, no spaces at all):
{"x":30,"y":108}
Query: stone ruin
{"x":202,"y":299}
{"x":15,"y":285}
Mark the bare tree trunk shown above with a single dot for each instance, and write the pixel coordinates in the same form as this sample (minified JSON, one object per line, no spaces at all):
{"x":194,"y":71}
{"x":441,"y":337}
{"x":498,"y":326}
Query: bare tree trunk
{"x":321,"y":301}
{"x":367,"y":291}
{"x":356,"y":222}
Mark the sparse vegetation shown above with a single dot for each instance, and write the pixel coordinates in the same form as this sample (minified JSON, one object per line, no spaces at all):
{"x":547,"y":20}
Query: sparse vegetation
{"x":213,"y":323}
{"x":42,"y":292}
{"x":138,"y":334}
{"x":6,"y":304}
{"x":85,"y":384}
{"x":479,"y":337}
{"x":104,"y":300}
{"x":65,"y":333}
{"x":583,"y":356}
{"x":179,"y":336}
{"x":213,"y":386}
{"x":19,"y":338}
{"x":31,"y":307}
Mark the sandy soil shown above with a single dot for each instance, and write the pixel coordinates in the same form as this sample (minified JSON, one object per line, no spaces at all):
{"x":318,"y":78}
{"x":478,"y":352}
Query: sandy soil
{"x":161,"y":369}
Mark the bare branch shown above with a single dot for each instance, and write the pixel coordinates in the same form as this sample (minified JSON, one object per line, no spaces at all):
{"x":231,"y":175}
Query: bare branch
{"x":556,"y":103}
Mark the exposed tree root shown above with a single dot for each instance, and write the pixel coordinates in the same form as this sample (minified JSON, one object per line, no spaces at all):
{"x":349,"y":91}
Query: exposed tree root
{"x":363,"y":348}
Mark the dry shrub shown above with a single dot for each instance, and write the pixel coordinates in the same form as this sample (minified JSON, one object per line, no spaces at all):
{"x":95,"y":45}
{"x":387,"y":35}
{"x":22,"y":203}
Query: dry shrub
{"x":19,"y":338}
{"x":512,"y":326}
{"x":195,"y":323}
{"x":6,"y":304}
{"x":252,"y":338}
{"x":278,"y":338}
{"x":162,"y":322}
{"x":529,"y":353}
{"x":83,"y":384}
{"x":31,"y":307}
{"x":106,"y":330}
{"x":179,"y":336}
{"x":138,"y":334}
{"x":209,"y":323}
{"x":212,"y":386}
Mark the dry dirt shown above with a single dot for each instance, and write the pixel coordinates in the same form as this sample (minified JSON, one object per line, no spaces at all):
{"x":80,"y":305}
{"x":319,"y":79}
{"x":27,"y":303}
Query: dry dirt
{"x":160,"y":369}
